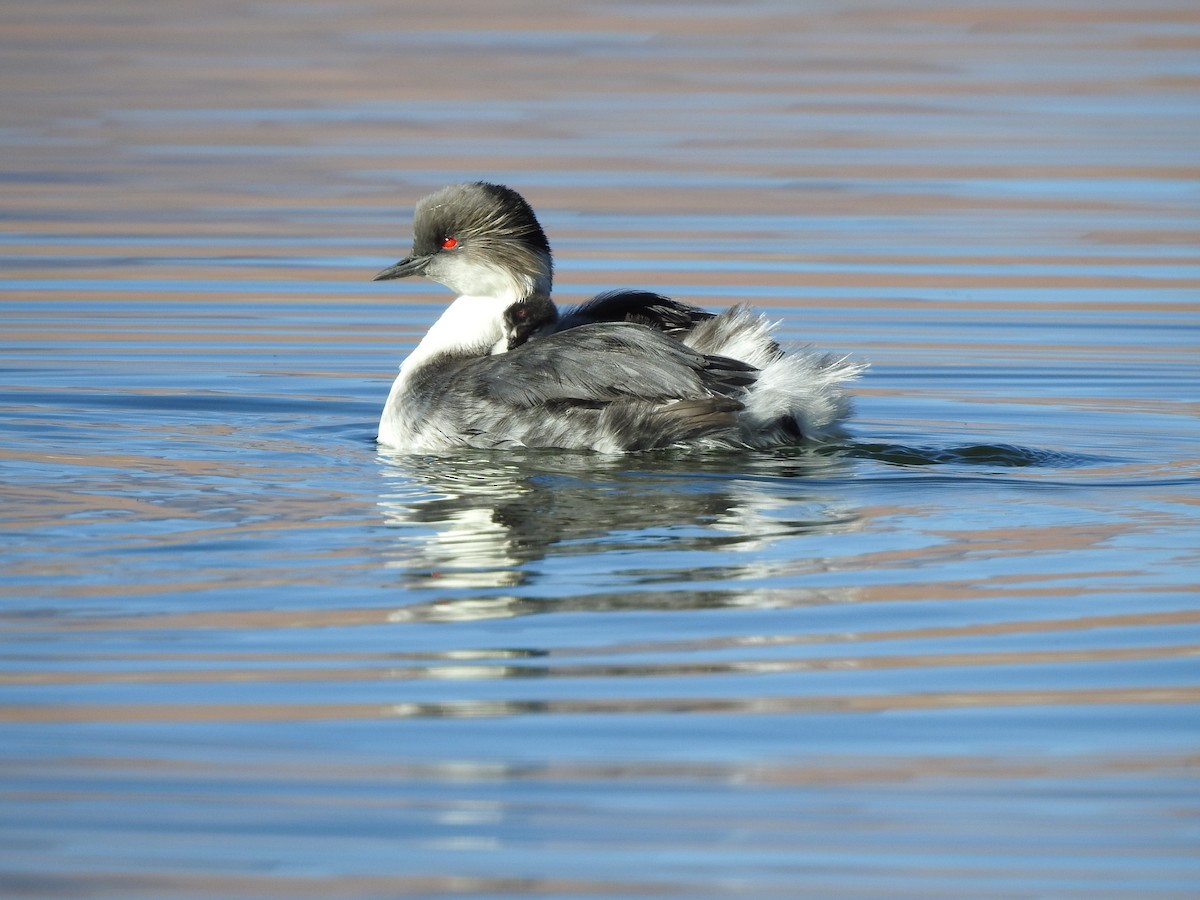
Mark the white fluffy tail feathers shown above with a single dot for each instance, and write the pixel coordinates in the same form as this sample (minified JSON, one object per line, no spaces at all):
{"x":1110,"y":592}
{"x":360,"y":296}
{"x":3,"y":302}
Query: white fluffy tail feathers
{"x":737,"y":333}
{"x":798,"y":394}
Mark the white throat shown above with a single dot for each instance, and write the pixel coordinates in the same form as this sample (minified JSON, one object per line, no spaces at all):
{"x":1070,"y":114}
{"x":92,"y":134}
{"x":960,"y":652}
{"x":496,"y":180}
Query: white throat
{"x":472,"y":276}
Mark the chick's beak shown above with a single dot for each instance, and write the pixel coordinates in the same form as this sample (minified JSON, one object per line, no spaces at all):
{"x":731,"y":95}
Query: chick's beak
{"x":411,"y":265}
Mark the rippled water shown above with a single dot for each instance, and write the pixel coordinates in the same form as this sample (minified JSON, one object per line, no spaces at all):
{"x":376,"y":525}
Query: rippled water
{"x":248,"y":654}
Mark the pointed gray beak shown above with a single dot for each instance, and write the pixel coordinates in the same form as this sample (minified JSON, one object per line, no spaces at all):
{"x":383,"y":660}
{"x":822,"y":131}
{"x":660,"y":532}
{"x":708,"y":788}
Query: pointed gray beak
{"x":411,"y":265}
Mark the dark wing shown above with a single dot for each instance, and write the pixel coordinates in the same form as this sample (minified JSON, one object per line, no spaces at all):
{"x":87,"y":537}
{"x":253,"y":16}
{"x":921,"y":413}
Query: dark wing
{"x":607,"y":386}
{"x":602,"y":363}
{"x":640,"y":307}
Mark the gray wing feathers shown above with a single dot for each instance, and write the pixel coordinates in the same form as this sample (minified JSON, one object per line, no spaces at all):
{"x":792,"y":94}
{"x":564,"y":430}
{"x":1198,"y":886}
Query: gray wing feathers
{"x":606,"y":386}
{"x":602,"y":363}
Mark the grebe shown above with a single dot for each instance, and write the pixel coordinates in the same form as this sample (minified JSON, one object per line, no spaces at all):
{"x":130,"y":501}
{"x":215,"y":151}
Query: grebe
{"x":627,"y":370}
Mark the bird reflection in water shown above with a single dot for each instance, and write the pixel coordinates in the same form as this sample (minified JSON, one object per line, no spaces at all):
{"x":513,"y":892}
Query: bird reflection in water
{"x":484,"y":520}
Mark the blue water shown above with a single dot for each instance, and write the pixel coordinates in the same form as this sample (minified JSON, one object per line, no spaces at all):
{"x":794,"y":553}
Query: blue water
{"x":248,"y":653}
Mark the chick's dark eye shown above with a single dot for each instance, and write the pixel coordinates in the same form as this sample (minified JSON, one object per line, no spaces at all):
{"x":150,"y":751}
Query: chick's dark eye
{"x":449,"y":243}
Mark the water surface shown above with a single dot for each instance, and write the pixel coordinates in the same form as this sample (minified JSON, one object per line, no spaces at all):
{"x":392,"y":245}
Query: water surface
{"x":247,"y":653}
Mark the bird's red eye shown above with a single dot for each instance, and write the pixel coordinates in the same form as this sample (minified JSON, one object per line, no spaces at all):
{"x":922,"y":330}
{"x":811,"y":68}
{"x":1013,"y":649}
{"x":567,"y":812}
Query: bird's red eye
{"x":449,"y":243}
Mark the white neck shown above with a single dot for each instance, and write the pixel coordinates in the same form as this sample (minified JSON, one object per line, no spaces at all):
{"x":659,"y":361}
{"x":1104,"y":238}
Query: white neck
{"x":469,"y":324}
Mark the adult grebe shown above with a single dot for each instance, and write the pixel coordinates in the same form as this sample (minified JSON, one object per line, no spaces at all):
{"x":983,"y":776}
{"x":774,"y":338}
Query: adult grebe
{"x":628,"y":370}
